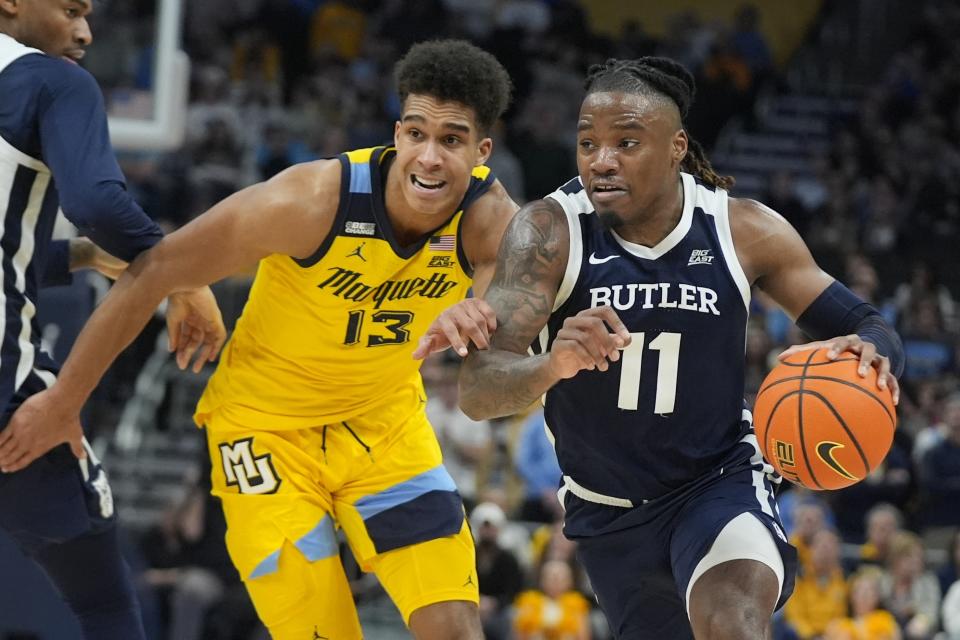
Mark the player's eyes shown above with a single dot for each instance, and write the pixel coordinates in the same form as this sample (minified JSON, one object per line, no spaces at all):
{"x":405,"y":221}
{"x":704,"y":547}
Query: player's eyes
{"x":626,"y":144}
{"x":451,"y":140}
{"x":586,"y":145}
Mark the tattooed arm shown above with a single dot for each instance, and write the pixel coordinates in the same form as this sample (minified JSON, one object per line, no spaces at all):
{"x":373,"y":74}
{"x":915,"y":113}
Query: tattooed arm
{"x":503,"y":379}
{"x":533,"y":254}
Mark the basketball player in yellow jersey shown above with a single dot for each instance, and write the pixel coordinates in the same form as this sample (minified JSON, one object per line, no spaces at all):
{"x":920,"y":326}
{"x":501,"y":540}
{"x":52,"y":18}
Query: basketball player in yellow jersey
{"x":315,"y":416}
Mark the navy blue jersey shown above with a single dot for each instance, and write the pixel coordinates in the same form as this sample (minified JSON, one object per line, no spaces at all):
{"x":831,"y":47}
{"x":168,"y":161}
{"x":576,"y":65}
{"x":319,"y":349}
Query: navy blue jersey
{"x":671,"y":410}
{"x":54,"y":151}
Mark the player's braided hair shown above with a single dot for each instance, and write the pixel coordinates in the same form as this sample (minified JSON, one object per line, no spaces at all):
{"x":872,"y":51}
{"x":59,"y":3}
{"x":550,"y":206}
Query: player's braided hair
{"x":655,"y":76}
{"x":459,"y":71}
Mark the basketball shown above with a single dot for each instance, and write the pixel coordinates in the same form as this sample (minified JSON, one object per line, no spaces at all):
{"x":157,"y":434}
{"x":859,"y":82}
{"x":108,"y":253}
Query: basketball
{"x":820,"y":424}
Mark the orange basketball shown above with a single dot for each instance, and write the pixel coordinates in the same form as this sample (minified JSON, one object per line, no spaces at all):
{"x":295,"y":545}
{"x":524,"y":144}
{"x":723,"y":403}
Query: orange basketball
{"x":820,"y":424}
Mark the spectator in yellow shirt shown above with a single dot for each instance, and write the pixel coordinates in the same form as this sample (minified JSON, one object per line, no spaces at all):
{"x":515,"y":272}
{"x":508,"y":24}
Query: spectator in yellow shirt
{"x":869,"y":621}
{"x":820,"y":595}
{"x":556,"y":612}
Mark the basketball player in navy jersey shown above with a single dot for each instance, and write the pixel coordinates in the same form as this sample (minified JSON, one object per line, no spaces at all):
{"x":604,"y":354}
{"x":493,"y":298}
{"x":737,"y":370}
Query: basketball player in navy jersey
{"x":632,"y":282}
{"x":55,"y":152}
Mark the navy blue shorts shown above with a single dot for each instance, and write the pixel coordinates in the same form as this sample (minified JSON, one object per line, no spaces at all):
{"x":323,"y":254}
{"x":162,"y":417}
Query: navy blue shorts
{"x":55,"y":499}
{"x":640,"y":566}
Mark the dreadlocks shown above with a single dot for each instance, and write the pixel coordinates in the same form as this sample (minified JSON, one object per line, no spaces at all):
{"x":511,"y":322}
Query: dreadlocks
{"x":658,"y":78}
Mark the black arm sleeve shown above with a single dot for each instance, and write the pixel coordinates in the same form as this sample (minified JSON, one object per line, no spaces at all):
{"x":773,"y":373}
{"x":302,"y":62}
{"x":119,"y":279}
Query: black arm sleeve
{"x":839,"y":312}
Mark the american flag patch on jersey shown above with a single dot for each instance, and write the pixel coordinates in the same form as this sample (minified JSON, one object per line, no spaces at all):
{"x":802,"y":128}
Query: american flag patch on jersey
{"x":442,"y":243}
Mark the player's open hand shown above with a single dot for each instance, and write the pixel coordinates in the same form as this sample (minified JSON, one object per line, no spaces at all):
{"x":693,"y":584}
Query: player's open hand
{"x":590,"y":340}
{"x":470,"y":320}
{"x":868,"y":358}
{"x":36,"y":427}
{"x":195,"y":326}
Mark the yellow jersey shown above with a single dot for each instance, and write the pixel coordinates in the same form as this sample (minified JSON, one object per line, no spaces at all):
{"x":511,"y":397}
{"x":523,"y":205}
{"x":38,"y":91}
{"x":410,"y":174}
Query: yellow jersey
{"x":330,"y":337}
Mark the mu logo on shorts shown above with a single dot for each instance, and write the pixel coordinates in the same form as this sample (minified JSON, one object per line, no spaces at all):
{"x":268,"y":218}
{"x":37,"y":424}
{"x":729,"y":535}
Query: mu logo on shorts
{"x":252,"y":474}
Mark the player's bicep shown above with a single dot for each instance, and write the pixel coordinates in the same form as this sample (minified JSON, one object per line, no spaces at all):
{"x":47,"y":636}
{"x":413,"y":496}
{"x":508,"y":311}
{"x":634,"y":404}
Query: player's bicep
{"x":277,"y":216}
{"x":777,"y":256}
{"x":485,"y":224}
{"x":530,"y":266}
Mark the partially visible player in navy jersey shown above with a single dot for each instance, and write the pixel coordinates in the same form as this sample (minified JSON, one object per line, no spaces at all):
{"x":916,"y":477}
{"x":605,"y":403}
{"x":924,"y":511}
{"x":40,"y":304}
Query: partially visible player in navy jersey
{"x":632,"y":282}
{"x":55,"y":154}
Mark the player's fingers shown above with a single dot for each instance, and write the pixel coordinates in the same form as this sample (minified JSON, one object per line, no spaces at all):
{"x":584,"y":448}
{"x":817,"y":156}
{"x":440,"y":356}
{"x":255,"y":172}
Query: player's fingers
{"x":475,"y":327}
{"x":173,"y":334}
{"x":22,"y":461}
{"x":489,"y":314}
{"x":591,"y":338}
{"x":851,"y":343}
{"x":424,"y":348}
{"x":613,"y":321}
{"x":449,"y":330}
{"x":798,"y":348}
{"x":894,"y":388}
{"x":203,"y":356}
{"x":221,"y":337}
{"x":9,"y":445}
{"x":10,"y":454}
{"x":883,"y":371}
{"x":578,"y":352}
{"x":189,"y":346}
{"x":868,"y":353}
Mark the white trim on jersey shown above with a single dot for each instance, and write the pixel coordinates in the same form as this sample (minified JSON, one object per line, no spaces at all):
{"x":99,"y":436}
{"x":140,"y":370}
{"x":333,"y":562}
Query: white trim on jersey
{"x":10,"y":152}
{"x":721,"y":214}
{"x":764,"y":499}
{"x":743,"y":538}
{"x":21,"y":260}
{"x":673,"y":238}
{"x":571,"y":485}
{"x":11,"y":50}
{"x":46,"y":377}
{"x":573,"y":206}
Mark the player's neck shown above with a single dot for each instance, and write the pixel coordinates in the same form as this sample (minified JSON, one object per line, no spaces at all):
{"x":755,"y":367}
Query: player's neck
{"x":650,"y":227}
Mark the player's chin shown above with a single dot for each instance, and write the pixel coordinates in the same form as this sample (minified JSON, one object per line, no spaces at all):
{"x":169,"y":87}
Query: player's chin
{"x":609,"y":218}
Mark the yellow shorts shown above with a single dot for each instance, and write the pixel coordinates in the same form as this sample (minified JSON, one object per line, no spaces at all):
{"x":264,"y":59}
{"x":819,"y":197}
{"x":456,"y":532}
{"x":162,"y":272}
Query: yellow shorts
{"x":284,"y":494}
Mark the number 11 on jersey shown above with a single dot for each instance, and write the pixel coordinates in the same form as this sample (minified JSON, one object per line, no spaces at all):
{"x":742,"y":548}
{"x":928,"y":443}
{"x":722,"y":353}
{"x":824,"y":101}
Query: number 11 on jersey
{"x":631,"y":359}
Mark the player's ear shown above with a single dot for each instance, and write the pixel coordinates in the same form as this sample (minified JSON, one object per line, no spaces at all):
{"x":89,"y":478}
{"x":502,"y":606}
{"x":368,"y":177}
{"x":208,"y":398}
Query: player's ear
{"x":10,"y":7}
{"x":485,"y":148}
{"x":680,"y":143}
{"x":396,"y":127}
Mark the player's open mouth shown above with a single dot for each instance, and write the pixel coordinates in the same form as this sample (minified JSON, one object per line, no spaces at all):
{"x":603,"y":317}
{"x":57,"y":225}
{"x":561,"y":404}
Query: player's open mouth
{"x":426,"y":183}
{"x":607,"y":192}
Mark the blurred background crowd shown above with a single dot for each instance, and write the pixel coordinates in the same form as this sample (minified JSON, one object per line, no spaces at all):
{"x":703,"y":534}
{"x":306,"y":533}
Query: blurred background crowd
{"x":849,"y":127}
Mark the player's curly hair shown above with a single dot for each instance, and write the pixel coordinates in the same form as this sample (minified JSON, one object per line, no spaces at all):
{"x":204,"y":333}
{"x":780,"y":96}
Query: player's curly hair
{"x":656,"y":76}
{"x":456,"y":70}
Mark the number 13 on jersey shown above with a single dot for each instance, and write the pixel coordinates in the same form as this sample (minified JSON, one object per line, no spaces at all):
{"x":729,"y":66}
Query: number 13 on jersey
{"x":631,"y":359}
{"x":394,"y":323}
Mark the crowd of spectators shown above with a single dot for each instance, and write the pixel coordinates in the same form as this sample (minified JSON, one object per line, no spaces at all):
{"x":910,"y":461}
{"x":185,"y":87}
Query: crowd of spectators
{"x":276,"y":82}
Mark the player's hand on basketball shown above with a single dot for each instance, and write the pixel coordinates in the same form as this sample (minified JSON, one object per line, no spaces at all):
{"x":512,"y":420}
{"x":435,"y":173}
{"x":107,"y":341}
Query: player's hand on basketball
{"x":470,"y":320}
{"x":590,"y":340}
{"x":868,"y":358}
{"x":195,"y":327}
{"x":37,"y":426}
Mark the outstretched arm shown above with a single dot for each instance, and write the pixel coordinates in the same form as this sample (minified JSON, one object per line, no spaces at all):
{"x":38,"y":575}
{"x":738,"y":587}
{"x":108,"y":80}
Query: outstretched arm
{"x":530,"y":267}
{"x":273,"y":217}
{"x":775,"y":257}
